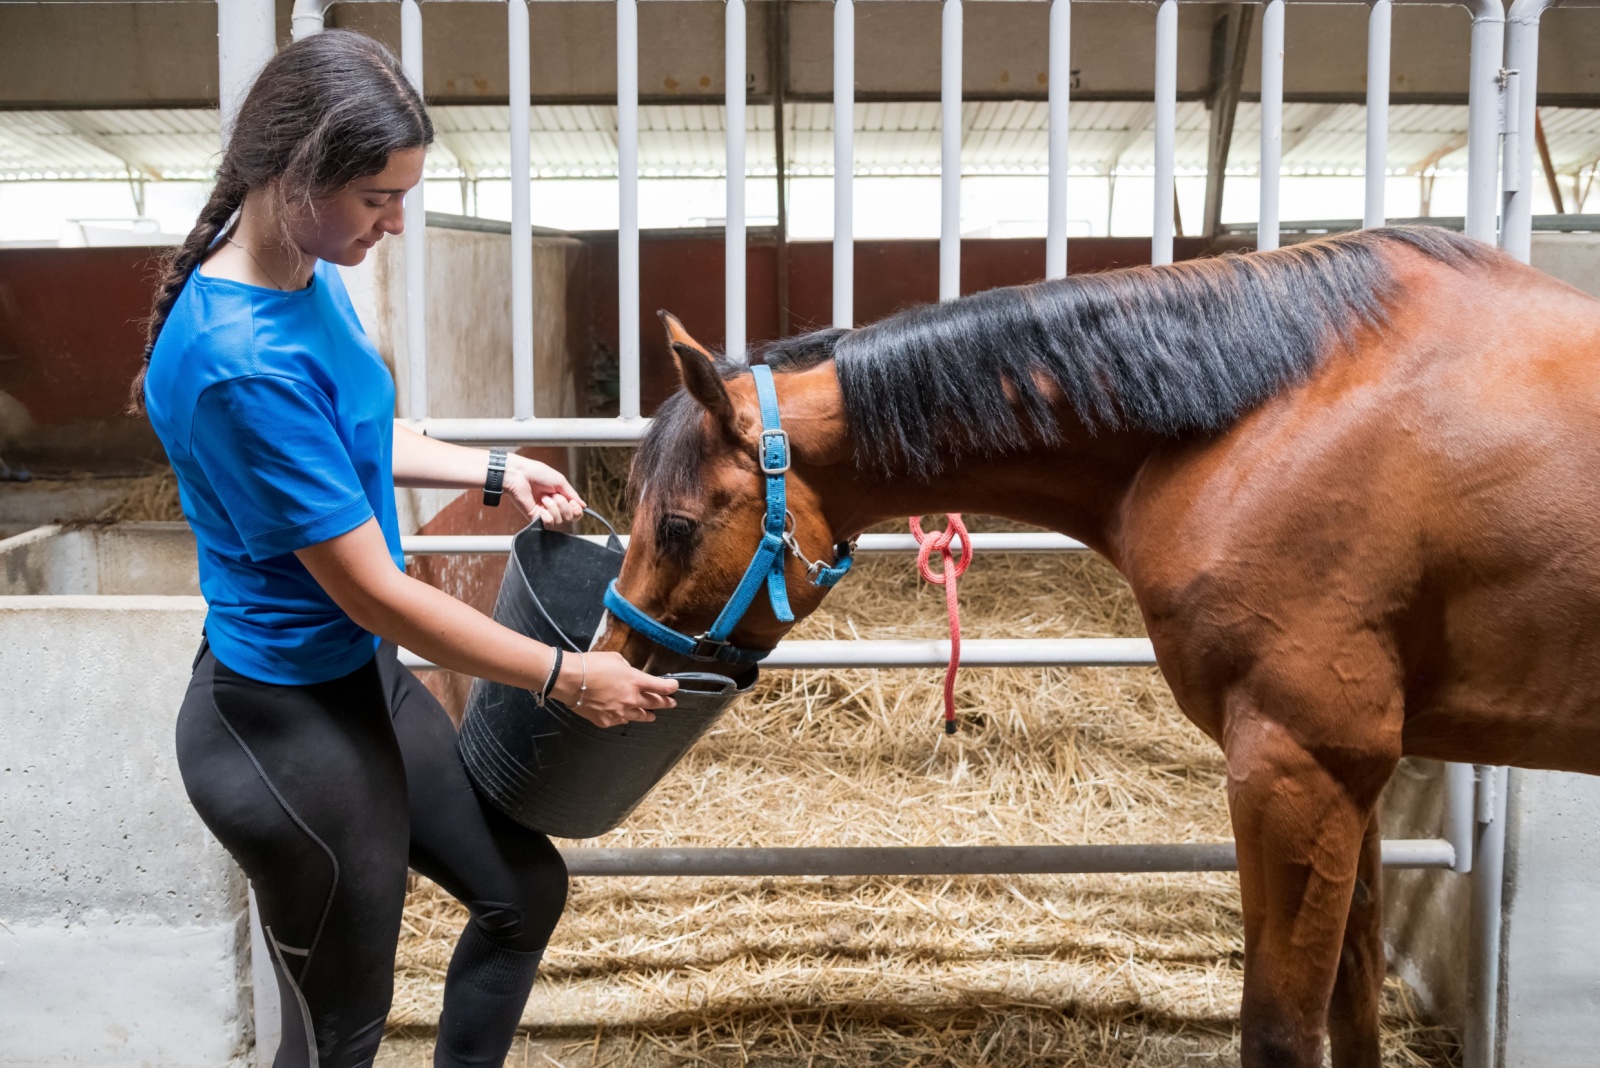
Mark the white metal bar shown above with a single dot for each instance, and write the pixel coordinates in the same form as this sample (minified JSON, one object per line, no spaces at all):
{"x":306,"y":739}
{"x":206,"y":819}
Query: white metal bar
{"x":1479,"y":1035}
{"x":1459,"y":813}
{"x":1060,"y":90}
{"x":1166,"y":100}
{"x":907,"y":653}
{"x":536,"y":431}
{"x":844,"y":163}
{"x":950,"y":151}
{"x":1522,"y":56}
{"x":244,"y":44}
{"x":518,"y":52}
{"x":947,"y":860}
{"x":305,"y":18}
{"x":1379,"y":32}
{"x":1511,"y":171}
{"x":1026,"y":542}
{"x":1271,"y":123}
{"x":416,"y":233}
{"x":628,"y":207}
{"x":733,"y":272}
{"x":1483,"y":118}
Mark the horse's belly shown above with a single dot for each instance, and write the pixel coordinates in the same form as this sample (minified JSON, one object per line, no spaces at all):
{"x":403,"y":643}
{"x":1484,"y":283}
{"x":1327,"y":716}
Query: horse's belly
{"x":1525,"y":693}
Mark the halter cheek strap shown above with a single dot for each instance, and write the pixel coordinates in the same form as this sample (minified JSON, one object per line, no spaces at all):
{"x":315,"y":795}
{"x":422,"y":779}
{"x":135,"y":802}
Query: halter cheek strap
{"x":766,"y":565}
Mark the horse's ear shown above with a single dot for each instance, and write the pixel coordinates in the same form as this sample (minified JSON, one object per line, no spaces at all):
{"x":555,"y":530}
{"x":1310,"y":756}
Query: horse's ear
{"x":698,"y":371}
{"x":677,"y":335}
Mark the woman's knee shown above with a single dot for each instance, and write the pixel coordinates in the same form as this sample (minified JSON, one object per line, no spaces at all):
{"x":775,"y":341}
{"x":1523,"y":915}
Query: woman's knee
{"x":539,"y":894}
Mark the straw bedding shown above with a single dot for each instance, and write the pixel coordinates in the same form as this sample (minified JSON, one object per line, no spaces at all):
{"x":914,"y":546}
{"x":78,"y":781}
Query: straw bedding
{"x":1051,"y":970}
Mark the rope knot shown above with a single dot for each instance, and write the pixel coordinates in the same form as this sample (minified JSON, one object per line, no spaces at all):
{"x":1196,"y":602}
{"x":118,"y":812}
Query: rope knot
{"x":952,"y":569}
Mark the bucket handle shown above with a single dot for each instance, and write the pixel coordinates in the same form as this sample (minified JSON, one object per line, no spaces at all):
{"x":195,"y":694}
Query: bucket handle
{"x":614,"y":543}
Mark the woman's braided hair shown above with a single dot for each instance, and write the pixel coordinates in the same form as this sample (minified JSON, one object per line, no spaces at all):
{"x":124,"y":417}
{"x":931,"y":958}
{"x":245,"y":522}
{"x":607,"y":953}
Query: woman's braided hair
{"x":323,"y":112}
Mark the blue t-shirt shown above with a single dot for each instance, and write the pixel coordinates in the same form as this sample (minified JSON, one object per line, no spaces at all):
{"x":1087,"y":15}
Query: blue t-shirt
{"x":277,"y":414}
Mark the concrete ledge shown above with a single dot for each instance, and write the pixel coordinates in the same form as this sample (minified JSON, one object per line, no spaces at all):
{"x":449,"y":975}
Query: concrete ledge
{"x":122,"y":559}
{"x":122,"y":938}
{"x":108,"y":993}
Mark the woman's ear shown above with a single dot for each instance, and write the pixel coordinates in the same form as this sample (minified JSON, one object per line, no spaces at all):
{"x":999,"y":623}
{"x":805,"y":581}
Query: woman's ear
{"x":698,"y":371}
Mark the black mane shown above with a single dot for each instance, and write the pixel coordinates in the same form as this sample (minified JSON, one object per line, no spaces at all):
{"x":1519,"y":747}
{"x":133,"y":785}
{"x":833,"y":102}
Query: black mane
{"x":1176,"y":350}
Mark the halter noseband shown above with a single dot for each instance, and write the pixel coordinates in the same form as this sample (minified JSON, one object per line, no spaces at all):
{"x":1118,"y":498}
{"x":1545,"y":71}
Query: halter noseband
{"x":766,"y":566}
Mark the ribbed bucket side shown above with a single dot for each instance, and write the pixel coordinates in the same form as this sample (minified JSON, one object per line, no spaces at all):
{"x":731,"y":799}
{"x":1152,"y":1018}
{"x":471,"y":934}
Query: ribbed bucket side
{"x":547,"y":767}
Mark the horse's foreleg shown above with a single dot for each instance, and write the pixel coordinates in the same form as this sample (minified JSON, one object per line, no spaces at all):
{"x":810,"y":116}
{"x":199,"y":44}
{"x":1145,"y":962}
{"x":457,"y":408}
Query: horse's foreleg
{"x":1358,"y":987}
{"x":1299,"y":820}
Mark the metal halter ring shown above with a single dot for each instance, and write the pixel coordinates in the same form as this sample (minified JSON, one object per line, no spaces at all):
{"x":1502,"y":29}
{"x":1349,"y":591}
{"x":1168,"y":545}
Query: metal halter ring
{"x":812,"y":566}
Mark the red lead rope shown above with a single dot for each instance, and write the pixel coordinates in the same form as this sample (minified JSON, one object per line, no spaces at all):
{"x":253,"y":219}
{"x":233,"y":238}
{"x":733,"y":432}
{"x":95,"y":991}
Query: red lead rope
{"x":954,"y":568}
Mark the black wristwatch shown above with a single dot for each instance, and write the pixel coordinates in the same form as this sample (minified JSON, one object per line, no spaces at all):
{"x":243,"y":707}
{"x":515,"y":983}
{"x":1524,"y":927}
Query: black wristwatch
{"x":494,"y":482}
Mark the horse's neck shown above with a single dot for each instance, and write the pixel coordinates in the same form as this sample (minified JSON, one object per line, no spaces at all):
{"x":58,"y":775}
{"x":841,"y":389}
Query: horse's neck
{"x":1076,"y":487}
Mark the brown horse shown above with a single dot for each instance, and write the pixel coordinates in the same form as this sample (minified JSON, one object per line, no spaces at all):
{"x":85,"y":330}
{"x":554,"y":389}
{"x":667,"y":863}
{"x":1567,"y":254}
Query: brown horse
{"x":1353,"y":483}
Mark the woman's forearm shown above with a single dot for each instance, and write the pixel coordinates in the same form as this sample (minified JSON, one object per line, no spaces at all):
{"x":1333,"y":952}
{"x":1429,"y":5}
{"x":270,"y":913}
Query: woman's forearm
{"x":424,"y":461}
{"x":453,"y":635}
{"x":538,"y":490}
{"x":355,"y":571}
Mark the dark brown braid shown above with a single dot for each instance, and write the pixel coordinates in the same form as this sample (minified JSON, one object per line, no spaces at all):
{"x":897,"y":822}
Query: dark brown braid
{"x":322,"y":113}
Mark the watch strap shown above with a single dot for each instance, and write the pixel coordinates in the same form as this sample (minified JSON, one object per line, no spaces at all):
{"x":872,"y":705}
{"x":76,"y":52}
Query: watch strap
{"x":494,"y":482}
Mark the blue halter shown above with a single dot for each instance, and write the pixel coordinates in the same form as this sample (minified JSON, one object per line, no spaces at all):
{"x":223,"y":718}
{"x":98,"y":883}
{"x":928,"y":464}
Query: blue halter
{"x":766,"y":566}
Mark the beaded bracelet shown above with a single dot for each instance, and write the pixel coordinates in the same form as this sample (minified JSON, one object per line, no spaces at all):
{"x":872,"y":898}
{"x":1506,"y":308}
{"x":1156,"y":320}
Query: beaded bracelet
{"x":583,"y":682}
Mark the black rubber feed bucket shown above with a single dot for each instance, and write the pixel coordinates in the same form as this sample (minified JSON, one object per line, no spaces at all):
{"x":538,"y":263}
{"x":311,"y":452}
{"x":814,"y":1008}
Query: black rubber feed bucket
{"x":547,"y":767}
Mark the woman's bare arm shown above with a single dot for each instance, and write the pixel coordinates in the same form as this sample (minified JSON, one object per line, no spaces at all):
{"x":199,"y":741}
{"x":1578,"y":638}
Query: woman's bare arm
{"x":356,"y":571}
{"x":538,"y":490}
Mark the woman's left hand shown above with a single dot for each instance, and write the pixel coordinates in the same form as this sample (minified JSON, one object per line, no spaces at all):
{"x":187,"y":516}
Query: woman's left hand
{"x":540,"y":491}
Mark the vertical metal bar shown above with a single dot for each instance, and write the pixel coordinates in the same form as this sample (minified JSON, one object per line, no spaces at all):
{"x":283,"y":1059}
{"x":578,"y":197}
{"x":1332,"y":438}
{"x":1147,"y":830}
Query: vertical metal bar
{"x":1379,"y":31}
{"x":416,"y":233}
{"x":628,"y":206}
{"x":778,"y":73}
{"x":950,"y":151}
{"x":1483,"y":118}
{"x":844,"y":163}
{"x":245,"y":41}
{"x":1522,"y":56}
{"x":305,"y":18}
{"x":1166,"y":87}
{"x":1481,"y":1032}
{"x":1511,"y":173}
{"x":1060,"y":90}
{"x":1271,"y":122}
{"x":521,"y":211}
{"x":733,"y":233}
{"x":1460,"y":823}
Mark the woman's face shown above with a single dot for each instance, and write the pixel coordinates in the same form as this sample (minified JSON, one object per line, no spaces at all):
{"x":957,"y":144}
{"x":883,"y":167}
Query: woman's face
{"x":351,"y":221}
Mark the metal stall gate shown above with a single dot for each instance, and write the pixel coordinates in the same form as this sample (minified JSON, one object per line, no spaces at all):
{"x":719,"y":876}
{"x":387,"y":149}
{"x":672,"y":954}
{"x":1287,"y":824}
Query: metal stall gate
{"x":1500,"y":104}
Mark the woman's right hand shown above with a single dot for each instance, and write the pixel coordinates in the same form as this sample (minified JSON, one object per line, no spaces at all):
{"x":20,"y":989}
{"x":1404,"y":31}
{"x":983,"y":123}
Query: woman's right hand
{"x":615,"y":692}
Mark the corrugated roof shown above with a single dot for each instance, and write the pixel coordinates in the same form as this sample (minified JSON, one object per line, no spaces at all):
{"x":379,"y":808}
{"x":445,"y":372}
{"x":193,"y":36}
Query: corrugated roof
{"x":999,"y":137}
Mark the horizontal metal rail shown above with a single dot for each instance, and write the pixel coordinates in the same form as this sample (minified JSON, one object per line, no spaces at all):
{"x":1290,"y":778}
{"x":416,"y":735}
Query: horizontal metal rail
{"x":955,"y":860}
{"x":913,"y":653}
{"x":533,"y":431}
{"x":1020,"y":542}
{"x":1541,"y":224}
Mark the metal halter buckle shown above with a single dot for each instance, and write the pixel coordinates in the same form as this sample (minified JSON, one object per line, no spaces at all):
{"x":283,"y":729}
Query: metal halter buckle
{"x":707,"y":648}
{"x":761,"y":456}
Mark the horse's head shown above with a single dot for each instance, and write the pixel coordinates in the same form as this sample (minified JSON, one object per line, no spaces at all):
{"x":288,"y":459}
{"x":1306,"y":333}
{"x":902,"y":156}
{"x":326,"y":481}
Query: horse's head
{"x":725,"y":500}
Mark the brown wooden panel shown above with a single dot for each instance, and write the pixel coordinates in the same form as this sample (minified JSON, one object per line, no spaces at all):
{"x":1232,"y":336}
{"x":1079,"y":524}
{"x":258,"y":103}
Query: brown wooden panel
{"x":70,"y":343}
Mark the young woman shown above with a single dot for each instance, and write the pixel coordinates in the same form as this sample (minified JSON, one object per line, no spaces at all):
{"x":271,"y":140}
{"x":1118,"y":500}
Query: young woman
{"x":323,"y":766}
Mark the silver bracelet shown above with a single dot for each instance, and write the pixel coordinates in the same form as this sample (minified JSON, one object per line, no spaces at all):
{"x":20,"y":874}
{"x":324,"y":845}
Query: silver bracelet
{"x":583,"y":682}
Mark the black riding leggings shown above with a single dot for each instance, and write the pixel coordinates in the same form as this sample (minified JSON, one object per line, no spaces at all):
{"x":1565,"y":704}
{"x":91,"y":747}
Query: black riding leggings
{"x":325,"y":794}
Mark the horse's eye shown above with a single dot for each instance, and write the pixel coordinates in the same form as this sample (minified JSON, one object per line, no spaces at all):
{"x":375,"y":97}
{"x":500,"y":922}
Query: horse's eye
{"x":674,"y":532}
